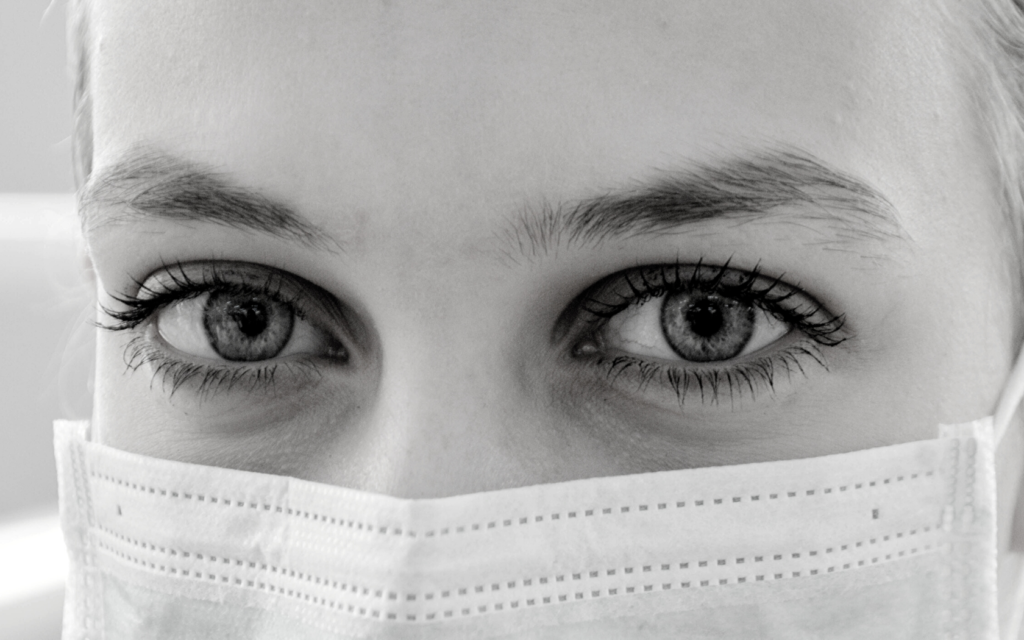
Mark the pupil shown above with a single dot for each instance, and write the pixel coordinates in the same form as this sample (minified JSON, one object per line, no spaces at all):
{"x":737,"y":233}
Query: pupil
{"x":704,"y":318}
{"x":250,"y":317}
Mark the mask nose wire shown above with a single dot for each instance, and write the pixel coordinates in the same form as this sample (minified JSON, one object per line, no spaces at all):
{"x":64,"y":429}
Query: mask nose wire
{"x":1011,"y":397}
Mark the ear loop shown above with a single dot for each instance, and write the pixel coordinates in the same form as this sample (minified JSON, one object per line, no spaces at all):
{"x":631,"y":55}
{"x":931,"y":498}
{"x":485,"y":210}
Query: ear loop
{"x":1006,"y":409}
{"x":1010,"y":399}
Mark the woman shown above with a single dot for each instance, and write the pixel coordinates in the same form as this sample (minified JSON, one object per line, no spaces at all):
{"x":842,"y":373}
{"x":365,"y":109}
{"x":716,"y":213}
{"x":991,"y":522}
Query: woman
{"x":633,"y":320}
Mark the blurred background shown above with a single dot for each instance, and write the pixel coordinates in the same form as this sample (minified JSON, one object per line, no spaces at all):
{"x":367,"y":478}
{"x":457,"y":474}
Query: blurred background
{"x":45,"y":350}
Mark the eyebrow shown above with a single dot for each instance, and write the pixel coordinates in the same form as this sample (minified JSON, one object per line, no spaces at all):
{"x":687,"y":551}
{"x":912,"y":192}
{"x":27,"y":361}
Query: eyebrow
{"x":149,"y":183}
{"x":784,"y":185}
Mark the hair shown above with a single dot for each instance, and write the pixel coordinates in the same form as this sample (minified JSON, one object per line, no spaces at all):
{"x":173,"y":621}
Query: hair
{"x":996,"y":50}
{"x":1003,"y":36}
{"x":79,"y":43}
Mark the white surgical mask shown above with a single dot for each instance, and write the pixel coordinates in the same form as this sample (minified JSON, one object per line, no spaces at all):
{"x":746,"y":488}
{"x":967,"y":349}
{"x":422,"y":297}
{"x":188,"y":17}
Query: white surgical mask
{"x":892,"y":542}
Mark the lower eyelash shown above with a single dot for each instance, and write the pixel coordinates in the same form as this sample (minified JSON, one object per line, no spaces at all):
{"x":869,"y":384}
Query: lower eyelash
{"x":210,"y":379}
{"x":752,"y":377}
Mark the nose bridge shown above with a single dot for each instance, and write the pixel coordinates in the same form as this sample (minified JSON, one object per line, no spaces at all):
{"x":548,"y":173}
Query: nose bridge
{"x":434,"y":377}
{"x":446,"y":393}
{"x":437,"y":423}
{"x":444,"y":329}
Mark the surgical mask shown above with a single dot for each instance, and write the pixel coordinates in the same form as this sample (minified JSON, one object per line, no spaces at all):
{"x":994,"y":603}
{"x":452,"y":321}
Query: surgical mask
{"x":892,"y":542}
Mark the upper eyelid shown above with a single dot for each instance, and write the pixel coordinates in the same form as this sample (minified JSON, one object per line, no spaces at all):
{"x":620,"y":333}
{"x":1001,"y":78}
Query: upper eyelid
{"x":815,"y":319}
{"x":644,"y":289}
{"x":180,"y":281}
{"x":748,"y":280}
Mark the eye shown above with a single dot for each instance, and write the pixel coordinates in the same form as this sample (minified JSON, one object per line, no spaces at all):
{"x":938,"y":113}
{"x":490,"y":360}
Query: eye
{"x":695,"y":326}
{"x":243,"y":327}
{"x":226,"y":313}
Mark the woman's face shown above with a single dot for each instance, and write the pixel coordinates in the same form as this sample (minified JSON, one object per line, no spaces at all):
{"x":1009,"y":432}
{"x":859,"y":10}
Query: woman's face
{"x":428,"y":248}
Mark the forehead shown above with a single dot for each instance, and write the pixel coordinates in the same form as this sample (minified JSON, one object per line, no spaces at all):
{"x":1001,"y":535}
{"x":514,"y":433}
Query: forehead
{"x":440,"y":108}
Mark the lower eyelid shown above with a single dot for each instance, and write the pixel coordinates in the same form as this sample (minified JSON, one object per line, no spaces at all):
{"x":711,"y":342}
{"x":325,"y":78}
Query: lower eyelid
{"x":751,"y":378}
{"x":172,"y":374}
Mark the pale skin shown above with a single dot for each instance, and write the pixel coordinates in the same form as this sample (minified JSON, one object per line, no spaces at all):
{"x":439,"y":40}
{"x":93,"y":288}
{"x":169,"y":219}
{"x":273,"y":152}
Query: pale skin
{"x":413,"y":134}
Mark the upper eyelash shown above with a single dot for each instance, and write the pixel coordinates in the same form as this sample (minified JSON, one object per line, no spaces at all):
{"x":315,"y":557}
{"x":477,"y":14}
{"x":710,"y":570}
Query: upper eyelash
{"x":813,"y":319}
{"x":141,"y":304}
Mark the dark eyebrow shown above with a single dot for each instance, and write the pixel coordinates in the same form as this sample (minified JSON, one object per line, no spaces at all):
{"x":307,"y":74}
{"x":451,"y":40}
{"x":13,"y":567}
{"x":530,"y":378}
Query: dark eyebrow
{"x":150,"y":183}
{"x":786,"y":184}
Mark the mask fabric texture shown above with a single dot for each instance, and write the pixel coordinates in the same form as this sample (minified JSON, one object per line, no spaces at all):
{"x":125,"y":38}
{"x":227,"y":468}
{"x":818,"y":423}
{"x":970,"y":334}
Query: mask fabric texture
{"x":893,"y":542}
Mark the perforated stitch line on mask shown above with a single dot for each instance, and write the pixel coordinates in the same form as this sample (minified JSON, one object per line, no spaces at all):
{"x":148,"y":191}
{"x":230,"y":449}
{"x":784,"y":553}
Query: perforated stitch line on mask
{"x":364,"y":600}
{"x":507,"y":521}
{"x":367,"y":610}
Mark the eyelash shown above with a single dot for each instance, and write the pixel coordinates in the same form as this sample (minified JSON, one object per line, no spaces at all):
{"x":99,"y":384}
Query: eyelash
{"x":208,"y":378}
{"x":599,"y":304}
{"x":770,"y":294}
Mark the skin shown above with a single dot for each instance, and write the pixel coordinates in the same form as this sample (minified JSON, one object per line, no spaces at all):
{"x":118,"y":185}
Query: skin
{"x":412,"y":133}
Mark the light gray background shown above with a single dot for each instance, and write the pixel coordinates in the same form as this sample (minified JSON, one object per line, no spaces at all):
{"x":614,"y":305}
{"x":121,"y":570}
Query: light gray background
{"x":35,"y":98}
{"x":40,"y":294}
{"x":35,"y":123}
